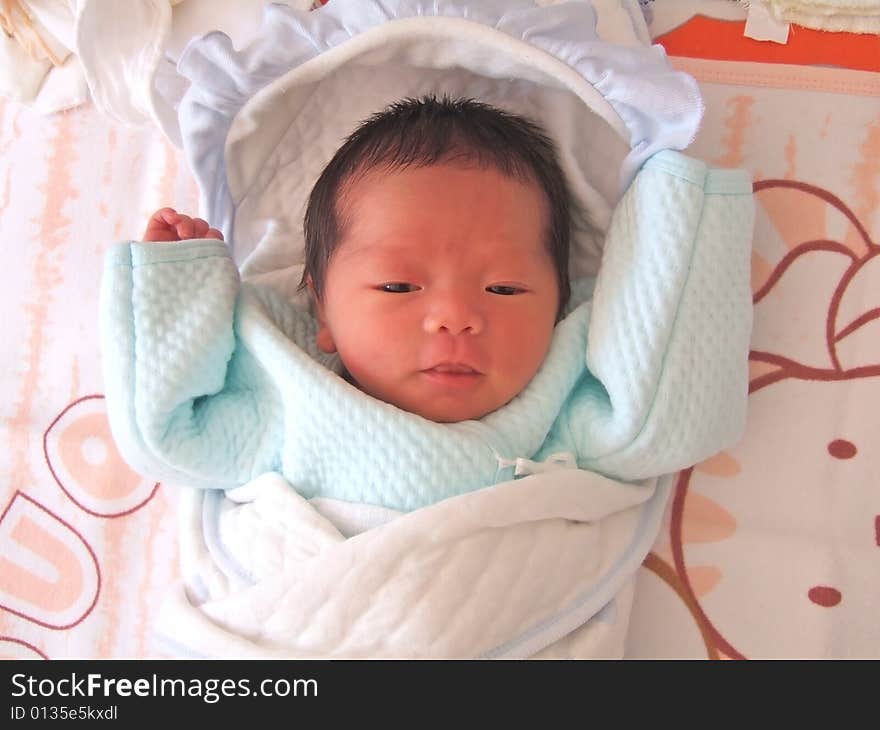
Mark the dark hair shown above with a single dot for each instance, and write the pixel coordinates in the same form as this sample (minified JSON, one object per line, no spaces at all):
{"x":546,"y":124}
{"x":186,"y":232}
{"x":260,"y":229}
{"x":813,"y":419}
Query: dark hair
{"x":429,"y":131}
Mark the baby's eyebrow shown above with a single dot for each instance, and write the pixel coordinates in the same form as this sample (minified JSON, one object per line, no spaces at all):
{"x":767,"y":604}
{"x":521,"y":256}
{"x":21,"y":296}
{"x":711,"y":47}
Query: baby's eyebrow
{"x":374,"y":248}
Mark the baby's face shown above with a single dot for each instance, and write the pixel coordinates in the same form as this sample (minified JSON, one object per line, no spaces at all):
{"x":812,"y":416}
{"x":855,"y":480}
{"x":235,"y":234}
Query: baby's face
{"x":441,"y":298}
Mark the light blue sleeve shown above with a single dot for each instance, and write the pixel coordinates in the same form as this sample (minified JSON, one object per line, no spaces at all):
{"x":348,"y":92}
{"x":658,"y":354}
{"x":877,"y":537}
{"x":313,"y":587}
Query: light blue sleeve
{"x":667,"y":350}
{"x":186,"y":402}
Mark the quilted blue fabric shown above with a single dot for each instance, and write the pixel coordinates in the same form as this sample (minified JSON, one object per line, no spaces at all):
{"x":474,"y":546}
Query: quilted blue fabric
{"x":210,"y":383}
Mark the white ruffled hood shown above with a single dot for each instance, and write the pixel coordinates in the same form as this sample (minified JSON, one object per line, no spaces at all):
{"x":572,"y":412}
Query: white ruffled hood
{"x":259,"y":124}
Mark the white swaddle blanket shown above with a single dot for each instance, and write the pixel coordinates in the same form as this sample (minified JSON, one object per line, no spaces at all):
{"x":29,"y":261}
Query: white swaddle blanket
{"x":507,"y":571}
{"x":542,"y":565}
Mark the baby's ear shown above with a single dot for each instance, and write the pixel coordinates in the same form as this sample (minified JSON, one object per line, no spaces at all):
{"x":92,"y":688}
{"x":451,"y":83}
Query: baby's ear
{"x":323,"y":338}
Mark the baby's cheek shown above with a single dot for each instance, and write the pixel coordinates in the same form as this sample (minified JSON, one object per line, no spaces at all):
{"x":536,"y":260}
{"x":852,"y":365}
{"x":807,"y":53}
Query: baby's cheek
{"x":530,"y":352}
{"x":367,"y":360}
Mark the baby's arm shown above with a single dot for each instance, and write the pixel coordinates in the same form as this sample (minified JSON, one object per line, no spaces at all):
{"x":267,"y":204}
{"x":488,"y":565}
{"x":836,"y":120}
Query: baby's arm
{"x":167,"y":225}
{"x":668,"y":342}
{"x":186,"y":403}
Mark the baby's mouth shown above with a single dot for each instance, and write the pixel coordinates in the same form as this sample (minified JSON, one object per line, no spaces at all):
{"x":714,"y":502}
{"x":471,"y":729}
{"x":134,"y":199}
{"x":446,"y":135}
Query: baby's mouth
{"x":454,"y":368}
{"x":454,"y":375}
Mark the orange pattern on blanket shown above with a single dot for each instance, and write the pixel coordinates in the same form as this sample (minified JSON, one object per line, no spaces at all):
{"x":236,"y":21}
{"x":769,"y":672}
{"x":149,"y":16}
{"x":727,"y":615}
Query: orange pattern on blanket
{"x":85,"y":450}
{"x":47,"y":594}
{"x":82,"y":456}
{"x":703,"y":37}
{"x":761,"y":270}
{"x":63,"y":549}
{"x":800,"y":213}
{"x":722,"y":464}
{"x":867,"y":184}
{"x":706,"y":521}
{"x":48,"y":573}
{"x":46,"y":276}
{"x":806,"y":225}
{"x":6,"y":188}
{"x":738,"y":120}
{"x":703,"y":578}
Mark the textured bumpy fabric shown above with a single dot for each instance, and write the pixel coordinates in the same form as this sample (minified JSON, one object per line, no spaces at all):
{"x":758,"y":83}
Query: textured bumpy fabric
{"x":211,"y":384}
{"x":542,"y":566}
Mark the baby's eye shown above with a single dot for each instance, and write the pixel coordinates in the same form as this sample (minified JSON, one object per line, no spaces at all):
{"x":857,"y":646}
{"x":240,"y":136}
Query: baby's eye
{"x":504,"y":289}
{"x":398,"y":287}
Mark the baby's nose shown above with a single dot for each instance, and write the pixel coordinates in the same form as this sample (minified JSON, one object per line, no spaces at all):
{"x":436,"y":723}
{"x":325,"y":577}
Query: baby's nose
{"x":455,"y":315}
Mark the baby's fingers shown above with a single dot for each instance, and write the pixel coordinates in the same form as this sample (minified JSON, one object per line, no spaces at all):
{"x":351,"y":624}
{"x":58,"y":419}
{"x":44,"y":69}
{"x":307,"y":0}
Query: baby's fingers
{"x":168,"y":216}
{"x":160,"y":227}
{"x":200,"y":228}
{"x":196,"y":228}
{"x":185,"y":228}
{"x":169,"y":225}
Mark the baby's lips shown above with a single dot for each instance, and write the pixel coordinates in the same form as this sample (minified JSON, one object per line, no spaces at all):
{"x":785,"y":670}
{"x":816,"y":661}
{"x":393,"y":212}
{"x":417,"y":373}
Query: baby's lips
{"x":462,"y":355}
{"x":454,"y":367}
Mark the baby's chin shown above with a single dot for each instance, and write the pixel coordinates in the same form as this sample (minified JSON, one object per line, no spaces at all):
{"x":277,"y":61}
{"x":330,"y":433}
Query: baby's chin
{"x":445,"y":408}
{"x":449,"y":410}
{"x":452,"y":415}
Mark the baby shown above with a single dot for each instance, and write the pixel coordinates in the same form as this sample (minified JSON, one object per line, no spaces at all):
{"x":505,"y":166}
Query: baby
{"x":436,"y":245}
{"x":436,"y":257}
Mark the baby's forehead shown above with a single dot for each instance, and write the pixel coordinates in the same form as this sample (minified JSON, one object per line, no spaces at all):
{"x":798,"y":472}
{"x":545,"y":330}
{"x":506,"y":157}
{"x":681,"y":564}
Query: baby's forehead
{"x":372,"y":172}
{"x":400,"y":188}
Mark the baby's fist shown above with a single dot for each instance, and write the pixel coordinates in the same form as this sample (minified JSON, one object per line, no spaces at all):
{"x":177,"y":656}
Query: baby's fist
{"x":169,"y":225}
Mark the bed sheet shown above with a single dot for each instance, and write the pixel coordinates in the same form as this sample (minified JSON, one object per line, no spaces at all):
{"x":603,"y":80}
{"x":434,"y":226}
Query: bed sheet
{"x":87,"y":547}
{"x":771,"y":549}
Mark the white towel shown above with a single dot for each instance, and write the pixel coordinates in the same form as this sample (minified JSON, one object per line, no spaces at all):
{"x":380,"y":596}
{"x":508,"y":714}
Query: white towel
{"x":853,"y":16}
{"x":36,"y":64}
{"x":129,"y":50}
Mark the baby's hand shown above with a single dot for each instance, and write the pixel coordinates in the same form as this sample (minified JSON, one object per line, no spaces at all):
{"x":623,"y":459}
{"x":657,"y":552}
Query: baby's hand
{"x":169,"y":225}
